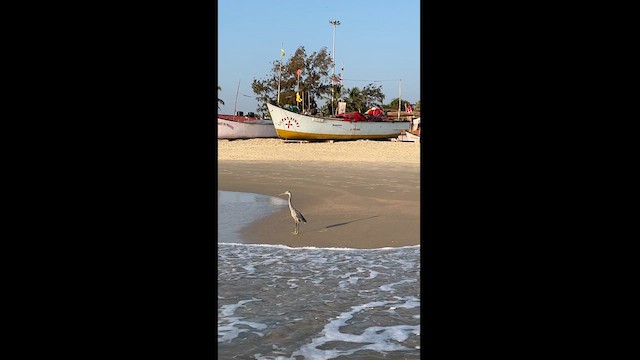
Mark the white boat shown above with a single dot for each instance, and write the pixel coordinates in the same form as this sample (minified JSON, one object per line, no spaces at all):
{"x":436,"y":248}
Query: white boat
{"x":415,"y":124}
{"x":409,"y":137}
{"x":412,"y":137}
{"x":244,"y":127}
{"x":290,"y":125}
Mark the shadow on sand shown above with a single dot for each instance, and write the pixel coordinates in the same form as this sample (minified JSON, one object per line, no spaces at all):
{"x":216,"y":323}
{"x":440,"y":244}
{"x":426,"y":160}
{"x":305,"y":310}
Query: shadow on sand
{"x":349,"y":222}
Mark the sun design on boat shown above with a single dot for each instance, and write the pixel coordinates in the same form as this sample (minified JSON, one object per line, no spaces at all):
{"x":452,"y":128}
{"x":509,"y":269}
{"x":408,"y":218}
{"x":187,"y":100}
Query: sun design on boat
{"x":289,"y":122}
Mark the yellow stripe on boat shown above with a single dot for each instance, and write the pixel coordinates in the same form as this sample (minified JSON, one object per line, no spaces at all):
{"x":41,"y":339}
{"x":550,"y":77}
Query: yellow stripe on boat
{"x":296,"y":135}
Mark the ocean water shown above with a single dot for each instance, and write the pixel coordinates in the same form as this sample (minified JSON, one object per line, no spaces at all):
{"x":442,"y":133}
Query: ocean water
{"x":277,"y":302}
{"x":237,"y":209}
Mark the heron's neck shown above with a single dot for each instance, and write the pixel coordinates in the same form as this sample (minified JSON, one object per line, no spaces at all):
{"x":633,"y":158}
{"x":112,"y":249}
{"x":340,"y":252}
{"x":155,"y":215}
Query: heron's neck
{"x":290,"y":206}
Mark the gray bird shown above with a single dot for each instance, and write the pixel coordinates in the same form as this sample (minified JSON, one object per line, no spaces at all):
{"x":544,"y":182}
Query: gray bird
{"x":295,"y":214}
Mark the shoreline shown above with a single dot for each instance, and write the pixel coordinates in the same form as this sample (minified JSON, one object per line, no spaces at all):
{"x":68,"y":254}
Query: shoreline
{"x":359,"y":194}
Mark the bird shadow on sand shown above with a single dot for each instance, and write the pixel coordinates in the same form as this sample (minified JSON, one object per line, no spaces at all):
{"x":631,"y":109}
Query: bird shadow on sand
{"x":349,"y":222}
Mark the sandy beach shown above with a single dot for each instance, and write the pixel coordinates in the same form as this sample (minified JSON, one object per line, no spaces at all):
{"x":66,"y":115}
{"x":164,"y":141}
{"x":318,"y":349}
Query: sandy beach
{"x":357,"y":194}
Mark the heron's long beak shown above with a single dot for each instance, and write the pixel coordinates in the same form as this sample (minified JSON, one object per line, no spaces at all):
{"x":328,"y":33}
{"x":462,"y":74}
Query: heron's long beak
{"x":282,"y":194}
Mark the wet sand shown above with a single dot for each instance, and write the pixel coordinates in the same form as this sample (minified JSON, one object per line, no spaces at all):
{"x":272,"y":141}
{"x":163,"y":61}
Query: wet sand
{"x":356,"y":194}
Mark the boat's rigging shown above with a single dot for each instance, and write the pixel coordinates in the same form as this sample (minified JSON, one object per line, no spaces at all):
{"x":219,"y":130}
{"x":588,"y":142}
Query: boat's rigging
{"x":372,"y":80}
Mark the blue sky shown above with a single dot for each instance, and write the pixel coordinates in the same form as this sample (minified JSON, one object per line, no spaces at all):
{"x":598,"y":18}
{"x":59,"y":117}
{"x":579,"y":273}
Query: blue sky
{"x":376,"y":40}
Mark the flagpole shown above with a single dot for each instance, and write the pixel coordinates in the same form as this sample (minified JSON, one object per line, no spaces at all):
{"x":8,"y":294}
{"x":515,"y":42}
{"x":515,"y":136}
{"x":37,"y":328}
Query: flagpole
{"x":341,"y":81}
{"x":399,"y":98}
{"x":280,"y":72}
{"x":298,"y":93}
{"x":301,"y":95}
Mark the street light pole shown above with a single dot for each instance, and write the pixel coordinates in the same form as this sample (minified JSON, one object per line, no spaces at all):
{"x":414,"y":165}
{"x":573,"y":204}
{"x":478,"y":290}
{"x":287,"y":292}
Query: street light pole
{"x":334,"y":23}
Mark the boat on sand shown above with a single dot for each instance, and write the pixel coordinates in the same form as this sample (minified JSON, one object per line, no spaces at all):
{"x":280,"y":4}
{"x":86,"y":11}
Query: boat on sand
{"x":407,"y":136}
{"x":291,"y":125}
{"x":244,"y":127}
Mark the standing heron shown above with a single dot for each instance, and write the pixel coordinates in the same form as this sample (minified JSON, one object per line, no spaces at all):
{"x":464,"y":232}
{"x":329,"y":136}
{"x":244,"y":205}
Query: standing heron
{"x":295,"y":214}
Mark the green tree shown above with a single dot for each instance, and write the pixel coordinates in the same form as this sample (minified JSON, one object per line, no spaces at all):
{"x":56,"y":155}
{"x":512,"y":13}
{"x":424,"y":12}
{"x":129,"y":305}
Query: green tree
{"x":362,"y":100}
{"x":355,"y":100}
{"x":220,"y":100}
{"x":313,"y":80}
{"x":372,"y":96}
{"x":393,"y":105}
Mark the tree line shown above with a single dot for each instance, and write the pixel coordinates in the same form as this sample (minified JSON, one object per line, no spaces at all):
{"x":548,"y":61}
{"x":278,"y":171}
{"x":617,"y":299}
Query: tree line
{"x":313,"y":85}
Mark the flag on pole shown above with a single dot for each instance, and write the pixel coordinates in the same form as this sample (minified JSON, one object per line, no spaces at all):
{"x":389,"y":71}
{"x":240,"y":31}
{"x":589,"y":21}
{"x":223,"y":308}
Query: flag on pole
{"x":282,"y":52}
{"x":335,"y":79}
{"x":298,"y":98}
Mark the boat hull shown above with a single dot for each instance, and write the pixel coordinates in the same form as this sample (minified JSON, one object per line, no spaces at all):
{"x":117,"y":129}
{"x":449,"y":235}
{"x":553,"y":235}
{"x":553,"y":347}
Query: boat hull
{"x":409,"y":137}
{"x":228,"y":129}
{"x":293,"y":126}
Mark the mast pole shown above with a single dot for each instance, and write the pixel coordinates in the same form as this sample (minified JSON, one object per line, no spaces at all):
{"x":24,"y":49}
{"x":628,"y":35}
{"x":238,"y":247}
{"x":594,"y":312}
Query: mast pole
{"x":235,"y":104}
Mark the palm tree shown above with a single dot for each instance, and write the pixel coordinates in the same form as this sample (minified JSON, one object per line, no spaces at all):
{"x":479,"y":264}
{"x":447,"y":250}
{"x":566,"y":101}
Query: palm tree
{"x":355,"y":100}
{"x":220,"y":100}
{"x":363,"y":99}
